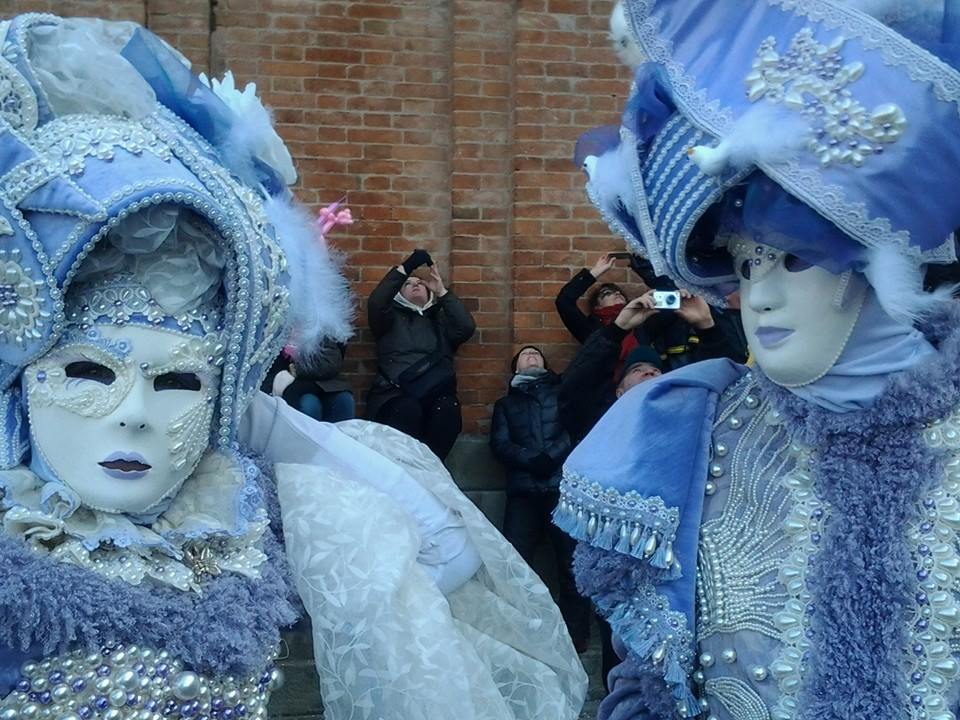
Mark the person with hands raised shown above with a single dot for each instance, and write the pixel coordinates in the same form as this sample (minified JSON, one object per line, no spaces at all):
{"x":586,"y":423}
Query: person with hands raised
{"x":418,"y":324}
{"x":672,"y":334}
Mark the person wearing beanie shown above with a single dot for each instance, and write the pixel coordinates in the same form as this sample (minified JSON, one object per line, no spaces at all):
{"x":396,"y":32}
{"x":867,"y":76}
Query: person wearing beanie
{"x":527,"y":437}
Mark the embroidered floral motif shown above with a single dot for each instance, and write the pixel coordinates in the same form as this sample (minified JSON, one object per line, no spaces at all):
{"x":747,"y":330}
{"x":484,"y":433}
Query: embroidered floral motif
{"x":123,"y":298}
{"x":20,"y":300}
{"x":810,"y":79}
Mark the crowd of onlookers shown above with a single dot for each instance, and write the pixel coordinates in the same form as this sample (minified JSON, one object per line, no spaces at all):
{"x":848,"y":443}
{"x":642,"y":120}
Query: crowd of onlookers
{"x":418,"y":324}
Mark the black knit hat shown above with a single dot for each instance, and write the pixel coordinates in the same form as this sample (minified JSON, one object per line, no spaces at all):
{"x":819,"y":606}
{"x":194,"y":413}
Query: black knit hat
{"x":513,"y":362}
{"x":642,"y":354}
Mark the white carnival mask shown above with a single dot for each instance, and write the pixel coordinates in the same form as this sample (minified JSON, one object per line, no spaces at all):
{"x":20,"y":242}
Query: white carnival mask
{"x":797,"y":317}
{"x":122,"y":414}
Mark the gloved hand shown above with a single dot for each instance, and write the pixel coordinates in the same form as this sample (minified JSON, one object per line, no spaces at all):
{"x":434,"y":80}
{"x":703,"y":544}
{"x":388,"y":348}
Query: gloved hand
{"x":643,"y":267}
{"x":417,"y":258}
{"x":542,"y":464}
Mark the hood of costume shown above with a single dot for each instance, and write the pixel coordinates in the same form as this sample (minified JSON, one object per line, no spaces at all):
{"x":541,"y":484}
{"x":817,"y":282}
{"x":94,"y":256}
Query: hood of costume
{"x":71,"y":172}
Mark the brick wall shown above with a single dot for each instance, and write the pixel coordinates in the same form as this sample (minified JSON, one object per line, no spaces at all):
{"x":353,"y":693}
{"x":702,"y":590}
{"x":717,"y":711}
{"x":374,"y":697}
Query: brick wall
{"x":448,"y":124}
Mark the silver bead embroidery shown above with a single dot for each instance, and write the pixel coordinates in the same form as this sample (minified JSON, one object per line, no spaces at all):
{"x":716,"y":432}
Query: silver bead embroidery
{"x":133,"y":683}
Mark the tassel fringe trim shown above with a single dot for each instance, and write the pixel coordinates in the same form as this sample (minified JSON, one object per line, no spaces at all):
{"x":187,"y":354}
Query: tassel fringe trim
{"x":643,"y":528}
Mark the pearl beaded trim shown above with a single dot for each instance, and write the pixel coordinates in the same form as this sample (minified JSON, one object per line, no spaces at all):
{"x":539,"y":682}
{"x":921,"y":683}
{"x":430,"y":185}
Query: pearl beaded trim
{"x":120,"y":682}
{"x":643,"y":527}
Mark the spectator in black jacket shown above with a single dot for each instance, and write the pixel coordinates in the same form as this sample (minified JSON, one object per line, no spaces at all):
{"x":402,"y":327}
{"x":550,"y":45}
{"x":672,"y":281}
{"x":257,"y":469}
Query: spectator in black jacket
{"x":669,"y":333}
{"x":418,"y":325}
{"x":317,"y":389}
{"x":527,"y":437}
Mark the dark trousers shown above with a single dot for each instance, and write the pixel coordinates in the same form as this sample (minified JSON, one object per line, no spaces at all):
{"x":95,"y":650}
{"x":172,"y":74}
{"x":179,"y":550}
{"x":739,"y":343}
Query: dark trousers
{"x":527,"y":520}
{"x":328,"y":407}
{"x":435,"y":423}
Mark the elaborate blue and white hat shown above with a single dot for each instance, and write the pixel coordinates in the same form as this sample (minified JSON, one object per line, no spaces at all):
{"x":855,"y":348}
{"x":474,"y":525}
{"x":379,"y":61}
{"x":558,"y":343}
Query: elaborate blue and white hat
{"x":100,"y":122}
{"x":831,"y":132}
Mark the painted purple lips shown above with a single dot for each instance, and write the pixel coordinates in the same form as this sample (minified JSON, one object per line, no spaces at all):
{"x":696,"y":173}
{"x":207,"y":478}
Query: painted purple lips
{"x":769,"y":335}
{"x":125,"y":465}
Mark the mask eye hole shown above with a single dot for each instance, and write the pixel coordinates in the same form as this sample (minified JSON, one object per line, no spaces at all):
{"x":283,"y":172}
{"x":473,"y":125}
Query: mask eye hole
{"x":745,"y":269}
{"x":87,"y":370}
{"x":177,"y":381}
{"x":792,"y":263}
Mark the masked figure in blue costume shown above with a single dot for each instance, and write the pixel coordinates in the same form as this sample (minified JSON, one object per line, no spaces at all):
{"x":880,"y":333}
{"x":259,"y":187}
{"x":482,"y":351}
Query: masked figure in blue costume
{"x":782,"y":542}
{"x":161,"y":519}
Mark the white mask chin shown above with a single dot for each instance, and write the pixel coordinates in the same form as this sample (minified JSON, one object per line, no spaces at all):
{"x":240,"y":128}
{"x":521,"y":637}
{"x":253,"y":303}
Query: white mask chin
{"x":797,"y":317}
{"x":122,"y":415}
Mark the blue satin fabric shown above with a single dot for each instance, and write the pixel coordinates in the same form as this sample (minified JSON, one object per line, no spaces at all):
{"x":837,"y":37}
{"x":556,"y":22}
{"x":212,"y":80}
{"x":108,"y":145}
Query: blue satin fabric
{"x":701,"y":51}
{"x":655,"y":441}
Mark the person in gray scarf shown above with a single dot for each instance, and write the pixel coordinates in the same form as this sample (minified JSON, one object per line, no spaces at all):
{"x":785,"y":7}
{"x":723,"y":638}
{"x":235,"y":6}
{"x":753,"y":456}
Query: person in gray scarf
{"x":527,"y":437}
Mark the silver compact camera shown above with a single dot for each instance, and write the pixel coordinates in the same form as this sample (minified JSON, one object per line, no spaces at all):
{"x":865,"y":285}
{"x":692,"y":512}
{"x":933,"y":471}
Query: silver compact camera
{"x":666,"y":299}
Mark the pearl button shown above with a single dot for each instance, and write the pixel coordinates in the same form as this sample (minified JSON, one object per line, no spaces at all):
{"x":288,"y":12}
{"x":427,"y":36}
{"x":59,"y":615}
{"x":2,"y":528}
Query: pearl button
{"x":729,"y":655}
{"x":709,"y":488}
{"x":721,"y":449}
{"x":716,"y":470}
{"x":706,"y":660}
{"x":735,"y":423}
{"x":759,"y":673}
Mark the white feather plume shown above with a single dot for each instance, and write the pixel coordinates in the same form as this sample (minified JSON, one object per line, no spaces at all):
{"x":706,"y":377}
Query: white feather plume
{"x":321,"y":304}
{"x":764,"y":134}
{"x":252,"y":133}
{"x":609,"y":176}
{"x":626,"y":48}
{"x":898,"y":282}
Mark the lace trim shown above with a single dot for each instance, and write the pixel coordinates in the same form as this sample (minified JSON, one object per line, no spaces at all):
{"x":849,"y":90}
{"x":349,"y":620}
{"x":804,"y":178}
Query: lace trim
{"x":642,"y":527}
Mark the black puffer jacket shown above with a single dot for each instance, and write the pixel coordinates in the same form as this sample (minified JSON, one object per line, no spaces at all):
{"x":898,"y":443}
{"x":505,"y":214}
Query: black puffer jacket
{"x":527,"y":437}
{"x":405,"y":336}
